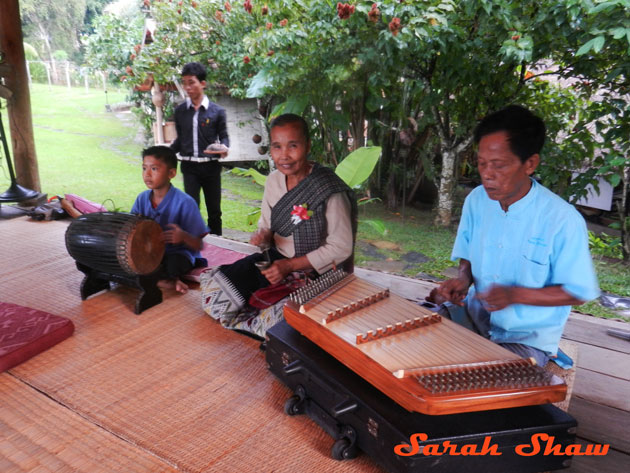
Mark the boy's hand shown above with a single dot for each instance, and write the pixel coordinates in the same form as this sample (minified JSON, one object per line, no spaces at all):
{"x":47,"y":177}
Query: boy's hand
{"x":174,"y":235}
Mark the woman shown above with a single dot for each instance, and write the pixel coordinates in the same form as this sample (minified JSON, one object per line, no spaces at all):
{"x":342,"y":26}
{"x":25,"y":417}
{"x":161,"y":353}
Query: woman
{"x":308,"y":220}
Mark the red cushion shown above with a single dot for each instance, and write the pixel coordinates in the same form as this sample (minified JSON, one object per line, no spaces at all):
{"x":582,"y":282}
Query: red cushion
{"x":26,"y":332}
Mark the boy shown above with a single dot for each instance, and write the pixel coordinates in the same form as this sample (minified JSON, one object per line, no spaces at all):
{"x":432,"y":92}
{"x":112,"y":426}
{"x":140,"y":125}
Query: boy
{"x":176,"y":212}
{"x":200,"y":124}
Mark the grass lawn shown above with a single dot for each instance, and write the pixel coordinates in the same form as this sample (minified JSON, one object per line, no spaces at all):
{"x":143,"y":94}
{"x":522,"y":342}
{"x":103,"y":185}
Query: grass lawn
{"x":83,"y":149}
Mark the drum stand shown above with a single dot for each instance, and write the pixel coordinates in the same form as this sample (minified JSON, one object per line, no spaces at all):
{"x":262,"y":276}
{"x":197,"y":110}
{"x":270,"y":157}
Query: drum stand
{"x":96,"y":281}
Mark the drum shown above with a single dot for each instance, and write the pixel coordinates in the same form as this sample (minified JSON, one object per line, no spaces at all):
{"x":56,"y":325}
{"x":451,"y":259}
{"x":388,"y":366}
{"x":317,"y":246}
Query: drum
{"x":116,"y":243}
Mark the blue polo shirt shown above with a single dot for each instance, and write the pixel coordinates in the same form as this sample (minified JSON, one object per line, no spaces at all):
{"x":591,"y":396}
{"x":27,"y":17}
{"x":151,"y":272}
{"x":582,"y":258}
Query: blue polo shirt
{"x":540,"y":241}
{"x":176,"y":207}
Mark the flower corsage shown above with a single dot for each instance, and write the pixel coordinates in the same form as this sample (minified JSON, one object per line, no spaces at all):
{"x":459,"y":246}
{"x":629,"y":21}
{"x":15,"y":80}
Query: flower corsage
{"x":299,"y":213}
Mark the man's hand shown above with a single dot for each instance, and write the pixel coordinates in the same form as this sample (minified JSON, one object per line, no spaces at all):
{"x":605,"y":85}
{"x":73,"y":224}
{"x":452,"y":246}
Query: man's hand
{"x":279,"y":270}
{"x":261,"y":238}
{"x":454,"y":290}
{"x":174,"y":235}
{"x":217,"y":150}
{"x":497,"y":297}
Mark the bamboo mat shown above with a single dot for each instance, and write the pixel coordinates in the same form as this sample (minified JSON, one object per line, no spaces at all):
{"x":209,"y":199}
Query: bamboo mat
{"x":169,"y":382}
{"x":29,"y":442}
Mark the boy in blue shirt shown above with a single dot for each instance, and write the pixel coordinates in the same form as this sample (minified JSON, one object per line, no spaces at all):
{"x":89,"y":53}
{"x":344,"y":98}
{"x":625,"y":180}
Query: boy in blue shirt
{"x":523,"y":251}
{"x":176,"y":212}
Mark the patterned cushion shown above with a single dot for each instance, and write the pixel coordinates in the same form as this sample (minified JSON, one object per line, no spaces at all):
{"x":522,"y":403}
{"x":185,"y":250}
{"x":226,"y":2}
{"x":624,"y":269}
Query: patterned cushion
{"x":26,"y":332}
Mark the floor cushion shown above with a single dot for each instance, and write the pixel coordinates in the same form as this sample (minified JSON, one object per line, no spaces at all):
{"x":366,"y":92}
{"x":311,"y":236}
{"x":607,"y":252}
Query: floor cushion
{"x":215,"y":256}
{"x":25,"y":332}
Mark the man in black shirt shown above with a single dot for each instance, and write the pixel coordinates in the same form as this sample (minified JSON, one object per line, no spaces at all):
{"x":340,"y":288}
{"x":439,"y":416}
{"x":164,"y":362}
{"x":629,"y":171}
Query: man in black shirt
{"x":200,"y":124}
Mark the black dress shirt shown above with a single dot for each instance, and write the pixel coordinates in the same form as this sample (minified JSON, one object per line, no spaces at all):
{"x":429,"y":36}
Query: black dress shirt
{"x":211,"y":126}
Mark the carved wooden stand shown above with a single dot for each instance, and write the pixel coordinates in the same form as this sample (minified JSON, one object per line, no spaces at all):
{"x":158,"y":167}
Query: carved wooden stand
{"x":96,"y":281}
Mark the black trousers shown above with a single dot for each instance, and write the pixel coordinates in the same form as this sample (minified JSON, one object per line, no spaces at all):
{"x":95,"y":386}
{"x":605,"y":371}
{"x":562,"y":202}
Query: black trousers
{"x":206,"y":176}
{"x":173,"y":266}
{"x":244,"y":274}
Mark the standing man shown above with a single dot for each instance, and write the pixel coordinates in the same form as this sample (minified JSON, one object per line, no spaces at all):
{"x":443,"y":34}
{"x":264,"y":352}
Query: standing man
{"x":523,"y":251}
{"x":200,"y":124}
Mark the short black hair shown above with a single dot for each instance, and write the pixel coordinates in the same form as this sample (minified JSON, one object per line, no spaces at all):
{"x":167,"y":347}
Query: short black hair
{"x":195,"y":69}
{"x":526,"y":131}
{"x":163,"y":153}
{"x":287,"y":118}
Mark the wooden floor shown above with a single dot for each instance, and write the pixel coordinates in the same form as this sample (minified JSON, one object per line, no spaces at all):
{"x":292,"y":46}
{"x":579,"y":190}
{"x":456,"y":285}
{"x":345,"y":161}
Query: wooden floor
{"x":170,"y":390}
{"x":166,"y":390}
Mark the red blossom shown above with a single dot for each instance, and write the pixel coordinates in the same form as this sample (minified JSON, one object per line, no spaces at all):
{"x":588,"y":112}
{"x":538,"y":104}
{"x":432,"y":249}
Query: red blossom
{"x":246,"y":59}
{"x":394,"y":26}
{"x":270,"y":53}
{"x":345,"y":10}
{"x":248,"y":6}
{"x":264,"y":10}
{"x":228,"y":7}
{"x":219,"y":16}
{"x":374,"y":13}
{"x":283,"y":22}
{"x":269,"y":25}
{"x":301,"y":212}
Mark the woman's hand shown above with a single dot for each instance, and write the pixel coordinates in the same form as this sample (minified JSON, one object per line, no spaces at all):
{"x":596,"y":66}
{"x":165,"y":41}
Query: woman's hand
{"x":279,"y":270}
{"x":261,"y":238}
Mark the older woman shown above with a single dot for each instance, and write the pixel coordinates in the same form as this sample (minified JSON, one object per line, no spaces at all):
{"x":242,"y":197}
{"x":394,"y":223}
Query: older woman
{"x":308,"y":220}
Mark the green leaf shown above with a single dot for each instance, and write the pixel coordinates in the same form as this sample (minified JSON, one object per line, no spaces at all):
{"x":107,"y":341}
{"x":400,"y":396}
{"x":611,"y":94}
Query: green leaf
{"x":259,"y":178}
{"x":602,"y":6}
{"x":253,"y":217}
{"x":358,"y":165}
{"x":295,"y":105}
{"x":596,"y":44}
{"x":614,"y":180}
{"x":377,"y":225}
{"x":619,"y":33}
{"x":259,"y":85}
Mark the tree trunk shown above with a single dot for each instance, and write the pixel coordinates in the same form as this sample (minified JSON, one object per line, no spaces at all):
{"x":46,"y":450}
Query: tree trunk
{"x":44,"y":36}
{"x":446,"y":190}
{"x":624,"y":214}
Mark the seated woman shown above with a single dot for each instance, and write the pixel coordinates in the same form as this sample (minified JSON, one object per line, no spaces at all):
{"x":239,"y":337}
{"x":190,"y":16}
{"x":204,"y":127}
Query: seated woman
{"x":308,"y":220}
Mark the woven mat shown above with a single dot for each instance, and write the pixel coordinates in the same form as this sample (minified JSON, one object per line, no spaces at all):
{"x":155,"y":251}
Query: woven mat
{"x":29,"y":442}
{"x":169,"y":381}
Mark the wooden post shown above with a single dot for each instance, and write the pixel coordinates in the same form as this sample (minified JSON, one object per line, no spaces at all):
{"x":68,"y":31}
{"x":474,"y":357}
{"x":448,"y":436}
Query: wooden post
{"x":157,"y":97}
{"x":19,"y":106}
{"x":47,"y":67}
{"x":68,"y":75}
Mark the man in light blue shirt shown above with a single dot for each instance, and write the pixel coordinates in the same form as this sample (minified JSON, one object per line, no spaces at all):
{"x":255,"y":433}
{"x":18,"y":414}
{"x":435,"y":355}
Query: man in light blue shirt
{"x":523,"y":251}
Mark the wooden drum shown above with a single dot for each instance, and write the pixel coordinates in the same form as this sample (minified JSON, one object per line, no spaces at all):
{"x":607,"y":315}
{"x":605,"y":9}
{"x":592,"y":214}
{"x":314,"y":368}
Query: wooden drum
{"x":116,"y":243}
